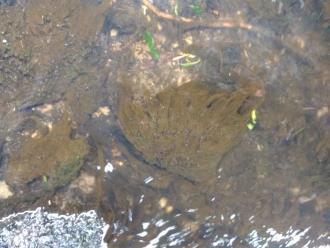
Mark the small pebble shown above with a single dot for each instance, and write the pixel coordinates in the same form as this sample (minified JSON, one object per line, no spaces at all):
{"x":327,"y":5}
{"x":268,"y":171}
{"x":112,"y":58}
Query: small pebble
{"x":169,"y":209}
{"x":188,"y":40}
{"x":119,"y":163}
{"x":113,"y":32}
{"x":163,"y":202}
{"x":322,"y":111}
{"x":5,"y":191}
{"x":175,"y":45}
{"x":50,"y":126}
{"x":46,"y":108}
{"x":104,"y":110}
{"x":36,"y":134}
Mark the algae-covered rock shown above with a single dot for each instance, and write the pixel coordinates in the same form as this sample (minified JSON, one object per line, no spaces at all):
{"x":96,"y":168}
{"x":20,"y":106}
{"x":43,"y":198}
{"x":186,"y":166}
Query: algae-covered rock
{"x":53,"y":158}
{"x":188,"y":129}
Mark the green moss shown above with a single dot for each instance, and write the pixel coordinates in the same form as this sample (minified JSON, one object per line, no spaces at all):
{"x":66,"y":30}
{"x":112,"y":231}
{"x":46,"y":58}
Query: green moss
{"x":54,"y":155}
{"x":64,"y":174}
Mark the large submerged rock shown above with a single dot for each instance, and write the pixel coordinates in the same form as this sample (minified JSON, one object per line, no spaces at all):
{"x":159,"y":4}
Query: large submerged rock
{"x":52,"y":158}
{"x":188,"y":129}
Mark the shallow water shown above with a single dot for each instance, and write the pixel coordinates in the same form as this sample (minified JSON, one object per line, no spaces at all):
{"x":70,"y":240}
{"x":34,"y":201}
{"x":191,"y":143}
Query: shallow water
{"x":167,"y":167}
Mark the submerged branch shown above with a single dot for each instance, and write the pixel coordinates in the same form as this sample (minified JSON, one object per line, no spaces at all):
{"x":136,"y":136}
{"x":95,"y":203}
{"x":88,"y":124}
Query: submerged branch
{"x":201,"y":23}
{"x":229,"y":23}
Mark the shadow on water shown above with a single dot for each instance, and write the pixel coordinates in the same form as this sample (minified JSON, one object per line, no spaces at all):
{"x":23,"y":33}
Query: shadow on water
{"x":182,"y":123}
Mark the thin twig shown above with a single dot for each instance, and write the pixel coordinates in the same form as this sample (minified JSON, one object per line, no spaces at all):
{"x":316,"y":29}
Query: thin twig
{"x":229,"y":23}
{"x":200,"y":23}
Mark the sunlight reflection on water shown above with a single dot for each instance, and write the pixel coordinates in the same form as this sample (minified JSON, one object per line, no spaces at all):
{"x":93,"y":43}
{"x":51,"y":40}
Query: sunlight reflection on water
{"x":169,"y":235}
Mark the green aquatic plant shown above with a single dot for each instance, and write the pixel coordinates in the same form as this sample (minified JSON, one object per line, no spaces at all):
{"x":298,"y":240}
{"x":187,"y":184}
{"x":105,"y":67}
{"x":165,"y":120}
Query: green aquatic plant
{"x":151,"y":45}
{"x":197,"y":9}
{"x":69,"y":170}
{"x":63,"y":174}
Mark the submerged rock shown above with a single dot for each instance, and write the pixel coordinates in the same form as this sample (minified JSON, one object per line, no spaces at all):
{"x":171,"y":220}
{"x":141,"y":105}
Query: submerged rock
{"x":39,"y":228}
{"x":188,"y":129}
{"x":52,"y":159}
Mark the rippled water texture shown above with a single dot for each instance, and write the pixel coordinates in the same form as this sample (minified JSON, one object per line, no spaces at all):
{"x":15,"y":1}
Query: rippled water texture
{"x":174,"y":123}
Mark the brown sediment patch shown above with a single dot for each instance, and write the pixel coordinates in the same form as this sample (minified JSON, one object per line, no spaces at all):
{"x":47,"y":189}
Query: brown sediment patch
{"x":188,"y":129}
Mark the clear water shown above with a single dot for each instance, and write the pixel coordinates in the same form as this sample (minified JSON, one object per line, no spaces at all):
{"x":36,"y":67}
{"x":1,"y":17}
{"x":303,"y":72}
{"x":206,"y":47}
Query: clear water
{"x":270,"y":190}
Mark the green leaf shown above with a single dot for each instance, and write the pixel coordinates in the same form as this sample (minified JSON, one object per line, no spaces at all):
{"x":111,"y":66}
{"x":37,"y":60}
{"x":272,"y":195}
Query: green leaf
{"x":151,"y":45}
{"x":254,"y":116}
{"x":197,"y":9}
{"x":250,"y":126}
{"x":45,"y":179}
{"x":253,"y":120}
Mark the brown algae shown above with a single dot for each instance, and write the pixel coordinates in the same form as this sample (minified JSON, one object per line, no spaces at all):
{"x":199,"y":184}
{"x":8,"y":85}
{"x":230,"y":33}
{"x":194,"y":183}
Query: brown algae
{"x":54,"y":157}
{"x":188,"y":129}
